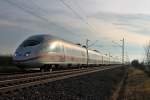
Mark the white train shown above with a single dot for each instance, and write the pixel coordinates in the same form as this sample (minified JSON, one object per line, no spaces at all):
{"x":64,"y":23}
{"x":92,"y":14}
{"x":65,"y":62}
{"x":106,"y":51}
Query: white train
{"x":47,"y":52}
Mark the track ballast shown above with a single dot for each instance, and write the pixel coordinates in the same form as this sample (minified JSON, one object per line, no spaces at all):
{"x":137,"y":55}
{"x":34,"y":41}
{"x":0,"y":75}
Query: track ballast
{"x":16,"y":82}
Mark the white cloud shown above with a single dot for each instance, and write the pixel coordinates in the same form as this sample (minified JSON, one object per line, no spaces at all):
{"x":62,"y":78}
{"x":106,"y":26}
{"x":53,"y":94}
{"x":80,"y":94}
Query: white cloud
{"x":116,"y":6}
{"x":105,"y":29}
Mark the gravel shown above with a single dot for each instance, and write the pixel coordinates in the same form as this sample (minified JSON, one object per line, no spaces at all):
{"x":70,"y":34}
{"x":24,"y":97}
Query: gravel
{"x":94,"y":86}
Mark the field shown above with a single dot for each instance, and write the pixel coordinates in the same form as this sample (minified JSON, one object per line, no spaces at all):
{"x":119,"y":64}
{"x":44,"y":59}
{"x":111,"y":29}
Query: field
{"x":136,"y":86}
{"x":6,"y":64}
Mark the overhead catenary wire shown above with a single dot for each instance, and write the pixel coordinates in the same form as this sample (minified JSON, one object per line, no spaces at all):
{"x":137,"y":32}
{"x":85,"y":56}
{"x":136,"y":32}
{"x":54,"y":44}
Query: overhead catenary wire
{"x":78,"y":15}
{"x":84,"y":20}
{"x":83,"y":12}
{"x":27,"y":10}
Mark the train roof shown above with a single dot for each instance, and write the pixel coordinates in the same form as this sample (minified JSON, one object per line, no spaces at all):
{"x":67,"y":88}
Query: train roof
{"x":50,"y":37}
{"x":44,"y":36}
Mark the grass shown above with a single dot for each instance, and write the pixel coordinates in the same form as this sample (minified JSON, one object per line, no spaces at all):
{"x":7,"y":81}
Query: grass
{"x":8,"y":69}
{"x":6,"y":60}
{"x":6,"y":64}
{"x":137,"y":85}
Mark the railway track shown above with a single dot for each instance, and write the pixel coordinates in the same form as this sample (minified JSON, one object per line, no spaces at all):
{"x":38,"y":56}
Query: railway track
{"x":16,"y":82}
{"x":23,"y":75}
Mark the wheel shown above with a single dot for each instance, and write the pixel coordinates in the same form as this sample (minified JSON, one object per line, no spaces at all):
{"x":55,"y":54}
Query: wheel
{"x":42,"y":69}
{"x":50,"y":70}
{"x":47,"y":68}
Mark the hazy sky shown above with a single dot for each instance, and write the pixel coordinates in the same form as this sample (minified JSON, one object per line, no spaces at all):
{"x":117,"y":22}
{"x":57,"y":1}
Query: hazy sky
{"x":76,"y":20}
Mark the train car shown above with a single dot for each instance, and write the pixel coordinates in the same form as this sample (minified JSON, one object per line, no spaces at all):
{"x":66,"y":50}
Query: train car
{"x":106,"y":59}
{"x":47,"y":52}
{"x":95,"y":58}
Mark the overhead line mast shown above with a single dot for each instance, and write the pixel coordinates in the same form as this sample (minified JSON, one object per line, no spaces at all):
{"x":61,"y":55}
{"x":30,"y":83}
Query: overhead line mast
{"x":123,"y":45}
{"x":87,"y":51}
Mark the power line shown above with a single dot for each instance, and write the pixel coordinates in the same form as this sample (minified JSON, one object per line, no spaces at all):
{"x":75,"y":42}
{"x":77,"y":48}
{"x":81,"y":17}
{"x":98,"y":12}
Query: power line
{"x":29,"y":10}
{"x":85,"y":17}
{"x":23,"y":8}
{"x":122,"y":47}
{"x":77,"y":14}
{"x":91,"y":27}
{"x":68,"y":6}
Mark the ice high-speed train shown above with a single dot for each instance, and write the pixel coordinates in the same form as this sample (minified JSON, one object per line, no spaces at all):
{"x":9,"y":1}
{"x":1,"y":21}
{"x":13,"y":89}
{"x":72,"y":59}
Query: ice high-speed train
{"x":47,"y":52}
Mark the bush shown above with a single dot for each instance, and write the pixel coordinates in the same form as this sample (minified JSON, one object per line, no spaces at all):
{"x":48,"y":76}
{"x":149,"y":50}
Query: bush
{"x":6,"y":61}
{"x":138,"y":65}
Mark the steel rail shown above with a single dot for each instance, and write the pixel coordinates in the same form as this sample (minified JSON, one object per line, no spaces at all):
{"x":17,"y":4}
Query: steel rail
{"x":29,"y":82}
{"x":17,"y":76}
{"x":16,"y":84}
{"x":34,"y":78}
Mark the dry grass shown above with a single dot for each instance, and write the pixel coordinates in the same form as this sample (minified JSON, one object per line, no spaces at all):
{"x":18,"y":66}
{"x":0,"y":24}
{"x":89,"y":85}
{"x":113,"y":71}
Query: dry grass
{"x":137,"y":86}
{"x":6,"y":64}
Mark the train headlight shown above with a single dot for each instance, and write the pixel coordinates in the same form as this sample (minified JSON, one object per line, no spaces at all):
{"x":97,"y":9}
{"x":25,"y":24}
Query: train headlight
{"x":16,"y":54}
{"x":27,"y":54}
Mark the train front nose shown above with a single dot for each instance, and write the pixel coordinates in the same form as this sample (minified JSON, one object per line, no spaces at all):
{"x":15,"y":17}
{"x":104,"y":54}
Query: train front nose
{"x":28,"y":50}
{"x":27,"y":57}
{"x":28,"y":53}
{"x":22,"y":55}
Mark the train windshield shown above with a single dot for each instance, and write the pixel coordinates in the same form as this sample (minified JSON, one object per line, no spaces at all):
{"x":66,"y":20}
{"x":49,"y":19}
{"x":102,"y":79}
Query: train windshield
{"x":33,"y":41}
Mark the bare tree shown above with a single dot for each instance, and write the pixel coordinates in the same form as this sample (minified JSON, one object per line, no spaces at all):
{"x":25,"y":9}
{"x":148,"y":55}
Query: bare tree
{"x":147,"y":53}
